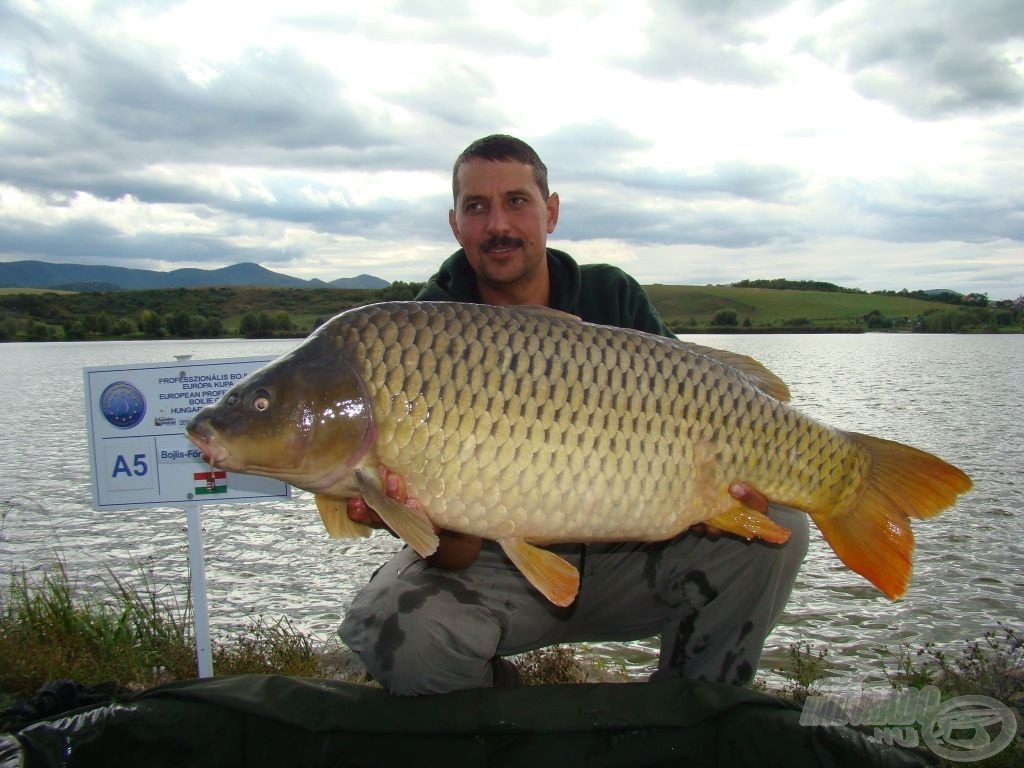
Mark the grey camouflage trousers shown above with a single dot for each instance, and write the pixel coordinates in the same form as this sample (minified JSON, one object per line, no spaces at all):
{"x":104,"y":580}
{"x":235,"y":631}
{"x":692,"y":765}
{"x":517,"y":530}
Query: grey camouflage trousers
{"x":713,"y":599}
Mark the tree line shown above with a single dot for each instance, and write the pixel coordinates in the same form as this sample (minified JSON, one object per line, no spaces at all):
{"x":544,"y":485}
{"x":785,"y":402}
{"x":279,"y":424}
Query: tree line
{"x":269,"y":312}
{"x":182,"y":312}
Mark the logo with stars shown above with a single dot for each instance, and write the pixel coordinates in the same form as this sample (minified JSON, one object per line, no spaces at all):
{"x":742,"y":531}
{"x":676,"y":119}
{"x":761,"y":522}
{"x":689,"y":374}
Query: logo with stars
{"x":122,"y":404}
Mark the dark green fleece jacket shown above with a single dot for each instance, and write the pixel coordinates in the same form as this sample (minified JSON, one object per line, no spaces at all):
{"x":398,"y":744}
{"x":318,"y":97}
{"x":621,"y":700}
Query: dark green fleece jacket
{"x":596,"y":293}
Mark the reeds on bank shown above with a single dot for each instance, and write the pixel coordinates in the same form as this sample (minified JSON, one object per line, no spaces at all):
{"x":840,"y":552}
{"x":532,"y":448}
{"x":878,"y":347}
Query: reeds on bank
{"x":130,"y":635}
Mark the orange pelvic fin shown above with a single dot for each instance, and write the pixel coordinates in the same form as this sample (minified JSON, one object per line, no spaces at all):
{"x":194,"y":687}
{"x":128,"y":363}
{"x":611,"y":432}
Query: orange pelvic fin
{"x":554,"y":577}
{"x":750,"y":524}
{"x":872,"y":536}
{"x":334,"y":513}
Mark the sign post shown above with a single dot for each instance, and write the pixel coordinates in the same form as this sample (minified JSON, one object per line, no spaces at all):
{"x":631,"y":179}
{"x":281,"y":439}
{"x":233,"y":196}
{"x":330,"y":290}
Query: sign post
{"x":197,"y":577}
{"x":140,"y":456}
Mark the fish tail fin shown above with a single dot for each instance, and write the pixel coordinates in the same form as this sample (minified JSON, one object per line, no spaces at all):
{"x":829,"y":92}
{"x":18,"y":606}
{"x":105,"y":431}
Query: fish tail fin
{"x":872,"y":533}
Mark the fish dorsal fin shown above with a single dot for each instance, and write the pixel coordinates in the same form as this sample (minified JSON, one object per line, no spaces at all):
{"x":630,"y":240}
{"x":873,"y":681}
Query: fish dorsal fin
{"x":414,"y":529}
{"x":334,"y":513}
{"x":540,"y":309}
{"x":554,"y":577}
{"x":751,"y":370}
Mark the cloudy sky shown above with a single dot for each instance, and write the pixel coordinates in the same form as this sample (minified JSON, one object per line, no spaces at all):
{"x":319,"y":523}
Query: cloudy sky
{"x":876,"y":144}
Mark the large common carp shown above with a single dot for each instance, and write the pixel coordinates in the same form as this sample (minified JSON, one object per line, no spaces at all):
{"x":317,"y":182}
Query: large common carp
{"x":528,"y":426}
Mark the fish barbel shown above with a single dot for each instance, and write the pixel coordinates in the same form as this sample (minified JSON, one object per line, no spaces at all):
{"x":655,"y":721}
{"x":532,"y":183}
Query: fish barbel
{"x":528,"y":426}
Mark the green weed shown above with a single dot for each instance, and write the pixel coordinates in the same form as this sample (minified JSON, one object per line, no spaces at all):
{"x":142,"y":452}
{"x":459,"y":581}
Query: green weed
{"x":806,"y":667}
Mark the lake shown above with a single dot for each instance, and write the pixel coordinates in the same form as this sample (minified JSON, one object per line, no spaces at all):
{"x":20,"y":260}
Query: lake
{"x":957,"y":396}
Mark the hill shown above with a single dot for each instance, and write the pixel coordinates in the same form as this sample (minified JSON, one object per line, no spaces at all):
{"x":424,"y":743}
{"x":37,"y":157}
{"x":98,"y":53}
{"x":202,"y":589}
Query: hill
{"x":690,"y":305}
{"x":253,"y":311}
{"x":89,"y":277}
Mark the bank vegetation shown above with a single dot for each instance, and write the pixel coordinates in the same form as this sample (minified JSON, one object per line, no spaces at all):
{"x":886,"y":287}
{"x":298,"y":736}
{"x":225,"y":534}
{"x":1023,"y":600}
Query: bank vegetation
{"x":777,"y":306}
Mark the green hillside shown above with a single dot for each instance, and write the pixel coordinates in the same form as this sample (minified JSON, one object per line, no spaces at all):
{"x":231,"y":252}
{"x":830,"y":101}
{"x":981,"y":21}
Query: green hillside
{"x":680,"y":305}
{"x":245,"y":311}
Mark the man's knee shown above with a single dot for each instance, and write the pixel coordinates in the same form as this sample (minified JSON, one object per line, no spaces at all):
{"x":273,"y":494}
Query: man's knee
{"x":437,"y":647}
{"x":792,"y":553}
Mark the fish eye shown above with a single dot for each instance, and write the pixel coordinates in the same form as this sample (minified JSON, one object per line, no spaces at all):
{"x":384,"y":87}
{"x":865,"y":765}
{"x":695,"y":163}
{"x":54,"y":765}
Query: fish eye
{"x":261,"y":400}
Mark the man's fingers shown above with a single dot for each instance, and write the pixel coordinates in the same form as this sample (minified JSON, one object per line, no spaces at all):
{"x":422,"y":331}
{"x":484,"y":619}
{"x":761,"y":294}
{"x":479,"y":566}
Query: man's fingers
{"x":359,"y":512}
{"x":394,"y":485}
{"x":749,"y":496}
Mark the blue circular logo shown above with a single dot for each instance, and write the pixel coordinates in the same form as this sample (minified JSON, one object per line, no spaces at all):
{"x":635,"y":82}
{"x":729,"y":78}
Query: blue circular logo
{"x":122,"y":405}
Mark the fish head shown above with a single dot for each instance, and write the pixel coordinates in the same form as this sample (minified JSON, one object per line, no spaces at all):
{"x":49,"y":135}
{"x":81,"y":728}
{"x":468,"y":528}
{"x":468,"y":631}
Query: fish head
{"x":304,"y":418}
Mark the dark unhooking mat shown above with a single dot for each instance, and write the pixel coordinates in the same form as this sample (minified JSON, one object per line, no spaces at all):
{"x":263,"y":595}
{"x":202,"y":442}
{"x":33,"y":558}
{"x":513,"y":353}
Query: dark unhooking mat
{"x":260,"y":720}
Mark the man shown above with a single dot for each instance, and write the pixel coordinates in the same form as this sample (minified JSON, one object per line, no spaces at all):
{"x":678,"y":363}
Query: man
{"x":443,"y":624}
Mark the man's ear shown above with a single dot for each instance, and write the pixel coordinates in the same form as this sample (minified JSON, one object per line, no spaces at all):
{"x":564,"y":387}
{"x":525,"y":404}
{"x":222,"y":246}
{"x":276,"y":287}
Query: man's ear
{"x":552,"y":206}
{"x":453,"y":223}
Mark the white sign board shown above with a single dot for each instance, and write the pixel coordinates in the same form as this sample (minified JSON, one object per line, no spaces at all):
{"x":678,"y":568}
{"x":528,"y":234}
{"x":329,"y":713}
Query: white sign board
{"x":139,"y":454}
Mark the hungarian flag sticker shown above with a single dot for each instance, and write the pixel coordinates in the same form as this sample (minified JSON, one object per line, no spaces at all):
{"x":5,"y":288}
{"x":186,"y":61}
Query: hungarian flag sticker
{"x":211,"y":482}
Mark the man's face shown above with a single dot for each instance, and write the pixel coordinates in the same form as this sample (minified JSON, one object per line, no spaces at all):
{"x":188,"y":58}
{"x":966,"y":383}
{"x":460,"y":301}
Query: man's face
{"x":502,"y":221}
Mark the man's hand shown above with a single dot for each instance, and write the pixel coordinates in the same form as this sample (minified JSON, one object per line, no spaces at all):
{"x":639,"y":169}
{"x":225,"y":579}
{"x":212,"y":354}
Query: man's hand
{"x":454,"y":550}
{"x":394,"y":487}
{"x":747,"y":495}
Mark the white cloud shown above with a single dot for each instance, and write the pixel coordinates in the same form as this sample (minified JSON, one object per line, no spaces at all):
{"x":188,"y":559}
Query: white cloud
{"x":858,"y":142}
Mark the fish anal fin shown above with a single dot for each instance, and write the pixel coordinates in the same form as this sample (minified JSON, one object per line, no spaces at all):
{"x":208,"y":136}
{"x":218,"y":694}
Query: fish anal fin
{"x":719,"y":509}
{"x":554,"y":577}
{"x":750,"y":524}
{"x":410,"y":526}
{"x":334,"y":513}
{"x":872,"y":533}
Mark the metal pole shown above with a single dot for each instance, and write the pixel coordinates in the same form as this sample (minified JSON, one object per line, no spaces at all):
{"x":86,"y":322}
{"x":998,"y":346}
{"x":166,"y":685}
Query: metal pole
{"x":200,"y":614}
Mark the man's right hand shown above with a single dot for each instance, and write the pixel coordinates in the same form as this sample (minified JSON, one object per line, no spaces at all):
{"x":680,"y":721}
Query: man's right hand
{"x":455,"y":551}
{"x":394,"y":487}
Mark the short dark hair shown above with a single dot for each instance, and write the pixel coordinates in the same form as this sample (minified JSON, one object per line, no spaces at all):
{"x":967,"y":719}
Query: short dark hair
{"x":503,"y":148}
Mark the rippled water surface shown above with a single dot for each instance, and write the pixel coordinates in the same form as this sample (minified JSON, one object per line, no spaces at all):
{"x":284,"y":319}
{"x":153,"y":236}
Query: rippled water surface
{"x":957,"y":396}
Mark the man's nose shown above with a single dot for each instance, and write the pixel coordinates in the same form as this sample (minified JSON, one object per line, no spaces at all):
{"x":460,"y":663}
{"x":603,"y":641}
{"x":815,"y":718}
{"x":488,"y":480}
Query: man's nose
{"x":497,"y":220}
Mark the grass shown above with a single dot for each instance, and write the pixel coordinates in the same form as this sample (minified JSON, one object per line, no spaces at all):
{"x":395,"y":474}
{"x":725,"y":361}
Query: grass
{"x":678,"y":304}
{"x":992,"y":667}
{"x":128,"y":637}
{"x":49,"y":630}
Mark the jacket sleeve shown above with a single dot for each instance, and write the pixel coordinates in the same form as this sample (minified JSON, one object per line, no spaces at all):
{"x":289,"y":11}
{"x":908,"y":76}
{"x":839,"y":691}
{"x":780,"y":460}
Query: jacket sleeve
{"x":640,"y":311}
{"x":610,"y":296}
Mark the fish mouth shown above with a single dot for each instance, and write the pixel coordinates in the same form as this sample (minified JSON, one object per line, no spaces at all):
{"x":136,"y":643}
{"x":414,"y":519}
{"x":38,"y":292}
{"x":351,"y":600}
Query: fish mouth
{"x":217,"y":454}
{"x":210,"y":450}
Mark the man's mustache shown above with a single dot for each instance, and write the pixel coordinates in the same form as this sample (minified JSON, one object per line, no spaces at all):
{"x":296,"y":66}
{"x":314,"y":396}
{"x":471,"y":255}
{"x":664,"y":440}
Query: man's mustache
{"x":496,"y":243}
